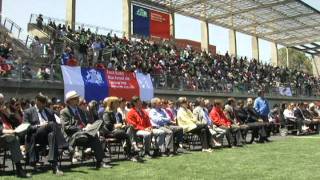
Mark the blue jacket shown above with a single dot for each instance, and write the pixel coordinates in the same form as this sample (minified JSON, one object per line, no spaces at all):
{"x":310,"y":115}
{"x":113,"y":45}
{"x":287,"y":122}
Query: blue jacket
{"x":158,"y":117}
{"x":261,"y":105}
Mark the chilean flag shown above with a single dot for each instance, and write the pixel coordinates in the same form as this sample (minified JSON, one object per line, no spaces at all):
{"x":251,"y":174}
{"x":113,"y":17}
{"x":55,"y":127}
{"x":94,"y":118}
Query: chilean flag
{"x":97,"y":84}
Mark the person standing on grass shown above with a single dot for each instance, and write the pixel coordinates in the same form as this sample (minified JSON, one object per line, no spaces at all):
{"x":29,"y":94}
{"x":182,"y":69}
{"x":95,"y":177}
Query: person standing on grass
{"x":261,"y":105}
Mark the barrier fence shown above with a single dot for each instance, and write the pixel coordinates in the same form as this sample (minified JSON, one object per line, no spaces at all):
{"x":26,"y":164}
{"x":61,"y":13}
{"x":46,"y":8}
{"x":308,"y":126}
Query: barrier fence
{"x":52,"y":72}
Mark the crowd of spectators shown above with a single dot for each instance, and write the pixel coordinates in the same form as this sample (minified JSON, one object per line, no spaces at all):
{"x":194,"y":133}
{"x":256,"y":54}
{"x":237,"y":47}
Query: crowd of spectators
{"x":166,"y":126}
{"x":6,"y":59}
{"x":187,"y":68}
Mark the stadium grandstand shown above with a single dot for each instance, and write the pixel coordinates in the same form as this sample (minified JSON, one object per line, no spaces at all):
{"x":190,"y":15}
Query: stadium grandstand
{"x":71,"y":91}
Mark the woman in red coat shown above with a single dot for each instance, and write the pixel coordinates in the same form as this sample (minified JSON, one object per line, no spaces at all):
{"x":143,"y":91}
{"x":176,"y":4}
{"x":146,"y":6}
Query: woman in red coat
{"x":220,"y":120}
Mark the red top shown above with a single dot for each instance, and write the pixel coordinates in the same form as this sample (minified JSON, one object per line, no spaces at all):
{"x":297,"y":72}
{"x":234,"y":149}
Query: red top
{"x":72,"y":62}
{"x":139,"y":120}
{"x":218,"y":117}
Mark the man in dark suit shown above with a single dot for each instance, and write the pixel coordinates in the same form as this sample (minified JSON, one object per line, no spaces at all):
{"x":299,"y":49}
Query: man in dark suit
{"x":9,"y":140}
{"x":44,"y":130}
{"x":301,"y":119}
{"x":76,"y":124}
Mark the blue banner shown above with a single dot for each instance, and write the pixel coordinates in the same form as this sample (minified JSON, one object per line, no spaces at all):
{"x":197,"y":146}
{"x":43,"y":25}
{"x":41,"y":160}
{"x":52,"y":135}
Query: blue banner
{"x":141,"y":21}
{"x":95,"y":84}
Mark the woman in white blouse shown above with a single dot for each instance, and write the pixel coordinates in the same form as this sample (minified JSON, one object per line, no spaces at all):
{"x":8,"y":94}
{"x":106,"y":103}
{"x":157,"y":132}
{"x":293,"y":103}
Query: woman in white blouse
{"x":289,"y":112}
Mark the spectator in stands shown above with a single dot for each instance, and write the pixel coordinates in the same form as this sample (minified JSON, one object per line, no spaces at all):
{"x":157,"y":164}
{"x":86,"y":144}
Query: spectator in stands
{"x":202,"y":116}
{"x":220,"y":120}
{"x":96,"y":46}
{"x":139,"y":119}
{"x":43,"y":73}
{"x":44,"y":131}
{"x":113,"y":127}
{"x":76,"y":126}
{"x":36,"y":47}
{"x":40,"y":21}
{"x":261,"y":105}
{"x":66,"y":55}
{"x":188,"y":122}
{"x":161,"y":120}
{"x":72,"y":61}
{"x":5,"y":50}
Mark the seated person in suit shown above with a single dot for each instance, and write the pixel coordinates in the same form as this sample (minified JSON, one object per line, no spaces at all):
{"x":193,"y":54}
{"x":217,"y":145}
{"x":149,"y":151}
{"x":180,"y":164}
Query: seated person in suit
{"x":113,"y":127}
{"x":161,"y":120}
{"x":200,"y":112}
{"x":190,"y":124}
{"x":139,"y":119}
{"x":75,"y":125}
{"x":44,"y":130}
{"x":10,"y":140}
{"x":301,"y":119}
{"x":248,"y":115}
{"x":310,"y":113}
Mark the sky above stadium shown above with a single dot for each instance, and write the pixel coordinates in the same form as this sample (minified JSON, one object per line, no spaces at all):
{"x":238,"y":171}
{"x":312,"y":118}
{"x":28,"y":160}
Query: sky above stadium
{"x":108,"y":13}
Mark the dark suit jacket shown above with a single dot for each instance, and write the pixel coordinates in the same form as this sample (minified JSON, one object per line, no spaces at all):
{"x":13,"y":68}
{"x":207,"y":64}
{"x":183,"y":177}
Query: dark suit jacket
{"x":242,"y":115}
{"x":30,"y":115}
{"x":70,"y":122}
{"x":253,"y":116}
{"x":298,"y":114}
{"x":1,"y":127}
{"x":109,"y":119}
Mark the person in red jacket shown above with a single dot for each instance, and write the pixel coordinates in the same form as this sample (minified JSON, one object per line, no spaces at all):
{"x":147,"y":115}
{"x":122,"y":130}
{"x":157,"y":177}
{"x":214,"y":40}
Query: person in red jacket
{"x":220,"y":120}
{"x":139,"y":119}
{"x":72,"y":61}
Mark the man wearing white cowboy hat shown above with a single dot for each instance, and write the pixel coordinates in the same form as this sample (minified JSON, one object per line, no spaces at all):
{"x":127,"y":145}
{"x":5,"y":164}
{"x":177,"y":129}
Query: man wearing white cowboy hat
{"x":43,"y":130}
{"x":75,"y":125}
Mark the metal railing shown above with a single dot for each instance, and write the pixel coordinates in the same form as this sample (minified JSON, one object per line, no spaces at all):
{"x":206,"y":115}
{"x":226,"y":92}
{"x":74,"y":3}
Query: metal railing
{"x":94,"y":29}
{"x":16,"y":31}
{"x":52,"y":72}
{"x":180,"y":83}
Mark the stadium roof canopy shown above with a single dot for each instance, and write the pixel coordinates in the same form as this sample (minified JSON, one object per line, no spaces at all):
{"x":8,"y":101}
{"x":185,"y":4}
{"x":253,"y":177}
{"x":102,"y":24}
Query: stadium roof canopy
{"x":291,"y":23}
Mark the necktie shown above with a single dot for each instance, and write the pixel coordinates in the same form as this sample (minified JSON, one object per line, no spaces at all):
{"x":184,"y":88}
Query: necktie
{"x":78,"y":117}
{"x":42,"y":115}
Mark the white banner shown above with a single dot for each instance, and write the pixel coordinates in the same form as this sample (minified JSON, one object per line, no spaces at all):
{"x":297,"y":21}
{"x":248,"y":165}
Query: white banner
{"x":285,"y":91}
{"x":146,"y":87}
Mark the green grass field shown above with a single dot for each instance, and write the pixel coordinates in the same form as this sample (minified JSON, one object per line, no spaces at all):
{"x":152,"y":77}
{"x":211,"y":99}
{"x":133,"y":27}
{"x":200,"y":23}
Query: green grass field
{"x":290,"y":158}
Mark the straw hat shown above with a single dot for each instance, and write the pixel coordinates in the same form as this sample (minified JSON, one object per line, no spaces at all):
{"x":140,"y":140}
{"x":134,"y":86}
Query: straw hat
{"x":71,"y":95}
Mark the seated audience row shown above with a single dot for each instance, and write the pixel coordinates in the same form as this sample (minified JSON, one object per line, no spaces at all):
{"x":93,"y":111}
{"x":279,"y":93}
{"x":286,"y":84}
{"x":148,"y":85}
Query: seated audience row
{"x":145,"y":131}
